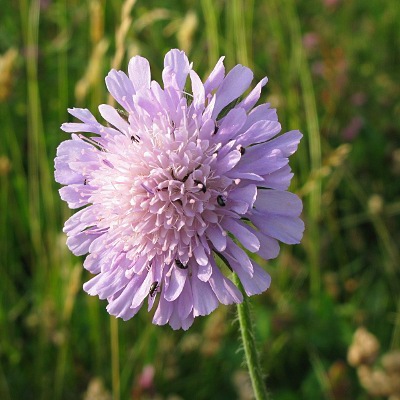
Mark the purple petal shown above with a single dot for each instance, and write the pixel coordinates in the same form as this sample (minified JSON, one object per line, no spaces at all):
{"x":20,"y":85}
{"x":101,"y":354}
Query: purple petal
{"x":249,"y":102}
{"x":216,"y":77}
{"x":217,"y":237}
{"x":231,"y":124}
{"x":287,"y":143}
{"x":176,"y":69}
{"x":176,"y":284}
{"x":204,"y":299}
{"x":207,"y":129}
{"x":93,"y":263}
{"x":260,"y":162}
{"x":228,"y":162}
{"x":233,"y":86}
{"x":278,"y":202}
{"x":263,"y":112}
{"x":73,"y":224}
{"x":208,"y":112}
{"x":75,"y":195}
{"x":143,"y":290}
{"x":239,"y":255}
{"x":242,"y":199}
{"x":200,"y":255}
{"x":279,"y":179}
{"x":258,"y":283}
{"x":163,"y":311}
{"x":185,"y":301}
{"x":111,"y":115}
{"x":79,"y":244}
{"x":90,"y":124}
{"x":159,"y":95}
{"x":224,"y":289}
{"x":176,"y":322}
{"x":121,"y":88}
{"x":187,"y":322}
{"x":261,"y":131}
{"x":204,"y":272}
{"x":244,"y":175}
{"x":106,"y":283}
{"x":84,"y":115}
{"x":287,"y":229}
{"x":139,"y":73}
{"x":198,"y":91}
{"x":120,"y":305}
{"x":269,"y":247}
{"x":70,"y":151}
{"x":242,"y":234}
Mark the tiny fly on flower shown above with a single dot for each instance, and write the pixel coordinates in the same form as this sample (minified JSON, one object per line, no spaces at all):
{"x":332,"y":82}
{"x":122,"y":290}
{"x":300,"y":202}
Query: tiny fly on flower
{"x":221,"y":201}
{"x":180,"y":265}
{"x":153,"y":289}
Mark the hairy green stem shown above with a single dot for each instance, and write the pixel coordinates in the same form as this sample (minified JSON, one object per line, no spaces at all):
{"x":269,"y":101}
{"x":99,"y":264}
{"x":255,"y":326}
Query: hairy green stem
{"x":249,"y":345}
{"x":114,"y":358}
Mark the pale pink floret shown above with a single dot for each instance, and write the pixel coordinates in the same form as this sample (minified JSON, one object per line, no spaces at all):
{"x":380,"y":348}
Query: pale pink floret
{"x":167,"y":185}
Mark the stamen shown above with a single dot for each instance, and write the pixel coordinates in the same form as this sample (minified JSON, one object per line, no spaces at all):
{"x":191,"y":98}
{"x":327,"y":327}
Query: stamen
{"x":146,"y":188}
{"x":201,"y":186}
{"x":108,"y":163}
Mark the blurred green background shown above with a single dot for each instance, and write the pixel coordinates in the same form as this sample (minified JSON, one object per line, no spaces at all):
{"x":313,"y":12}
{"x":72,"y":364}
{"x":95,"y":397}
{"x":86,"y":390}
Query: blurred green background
{"x":333,"y":69}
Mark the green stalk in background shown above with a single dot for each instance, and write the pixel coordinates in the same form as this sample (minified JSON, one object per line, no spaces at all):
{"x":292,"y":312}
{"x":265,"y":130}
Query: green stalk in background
{"x":210,"y":15}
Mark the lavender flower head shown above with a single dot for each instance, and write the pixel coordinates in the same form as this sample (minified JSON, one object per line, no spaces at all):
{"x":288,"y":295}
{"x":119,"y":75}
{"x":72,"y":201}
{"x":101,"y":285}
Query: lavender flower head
{"x":169,"y":183}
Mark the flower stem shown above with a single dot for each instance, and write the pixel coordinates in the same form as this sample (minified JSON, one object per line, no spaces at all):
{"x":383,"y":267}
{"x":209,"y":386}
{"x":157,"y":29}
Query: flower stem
{"x":250,"y":351}
{"x":115,"y":358}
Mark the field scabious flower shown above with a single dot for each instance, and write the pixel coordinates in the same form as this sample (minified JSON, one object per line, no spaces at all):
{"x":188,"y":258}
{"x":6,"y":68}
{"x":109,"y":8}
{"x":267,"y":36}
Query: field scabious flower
{"x":169,"y":183}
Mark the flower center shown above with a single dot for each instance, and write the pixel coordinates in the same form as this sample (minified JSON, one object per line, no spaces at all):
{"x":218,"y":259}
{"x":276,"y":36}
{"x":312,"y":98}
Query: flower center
{"x":165,"y":197}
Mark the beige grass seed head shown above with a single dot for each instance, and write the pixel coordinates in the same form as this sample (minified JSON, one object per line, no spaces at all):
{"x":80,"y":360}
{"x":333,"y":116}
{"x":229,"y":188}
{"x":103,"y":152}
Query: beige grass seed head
{"x":364,"y":348}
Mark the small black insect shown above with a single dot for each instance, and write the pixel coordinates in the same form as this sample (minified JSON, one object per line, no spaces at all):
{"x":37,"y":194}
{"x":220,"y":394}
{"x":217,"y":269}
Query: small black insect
{"x":153,"y":288}
{"x":242,"y":150}
{"x":203,"y":186}
{"x":221,"y":200}
{"x":180,"y":265}
{"x":135,"y":139}
{"x":85,"y":181}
